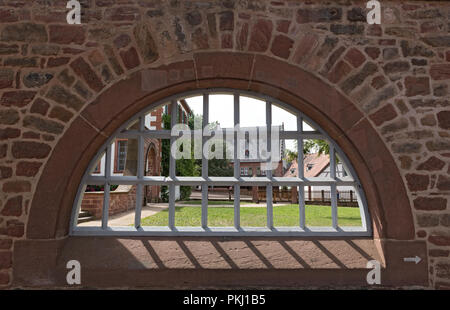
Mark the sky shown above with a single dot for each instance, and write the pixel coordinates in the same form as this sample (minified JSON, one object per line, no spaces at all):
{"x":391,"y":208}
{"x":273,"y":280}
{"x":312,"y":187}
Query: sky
{"x":252,"y":113}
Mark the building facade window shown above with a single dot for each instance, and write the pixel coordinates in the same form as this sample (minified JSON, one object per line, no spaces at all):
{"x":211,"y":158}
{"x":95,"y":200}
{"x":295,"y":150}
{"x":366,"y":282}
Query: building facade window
{"x":120,"y":156}
{"x":265,"y":184}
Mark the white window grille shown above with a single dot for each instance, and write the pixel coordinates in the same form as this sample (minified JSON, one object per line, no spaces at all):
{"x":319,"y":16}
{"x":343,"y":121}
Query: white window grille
{"x":240,"y":179}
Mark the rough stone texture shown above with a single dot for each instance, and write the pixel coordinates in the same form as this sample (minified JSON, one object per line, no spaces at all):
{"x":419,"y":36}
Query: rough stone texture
{"x":397,"y":74}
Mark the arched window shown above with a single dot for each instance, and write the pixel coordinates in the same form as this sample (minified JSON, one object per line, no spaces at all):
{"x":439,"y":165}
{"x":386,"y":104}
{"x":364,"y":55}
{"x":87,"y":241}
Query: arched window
{"x":239,"y":163}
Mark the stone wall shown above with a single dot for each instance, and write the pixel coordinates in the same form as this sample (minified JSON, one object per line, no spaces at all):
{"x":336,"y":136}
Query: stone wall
{"x":397,"y":74}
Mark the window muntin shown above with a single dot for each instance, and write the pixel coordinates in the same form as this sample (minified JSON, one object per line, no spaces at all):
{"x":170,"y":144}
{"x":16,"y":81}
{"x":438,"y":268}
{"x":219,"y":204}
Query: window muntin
{"x":305,"y":129}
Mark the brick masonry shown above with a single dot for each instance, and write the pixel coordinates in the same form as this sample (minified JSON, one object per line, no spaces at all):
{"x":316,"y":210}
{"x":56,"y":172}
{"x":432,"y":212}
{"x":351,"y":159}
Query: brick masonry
{"x":397,"y":74}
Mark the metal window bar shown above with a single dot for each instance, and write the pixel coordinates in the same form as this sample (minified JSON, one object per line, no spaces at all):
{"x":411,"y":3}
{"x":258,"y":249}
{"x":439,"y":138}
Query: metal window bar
{"x":172,"y":166}
{"x":237,"y":181}
{"x":269,"y":188}
{"x":205,"y":162}
{"x":140,"y":174}
{"x":237,"y":164}
{"x":333,"y":193}
{"x":106,"y":190}
{"x":301,"y":174}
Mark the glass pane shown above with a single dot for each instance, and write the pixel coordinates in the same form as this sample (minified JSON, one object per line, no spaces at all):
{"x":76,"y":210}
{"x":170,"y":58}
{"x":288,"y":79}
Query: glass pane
{"x":122,"y":205}
{"x":221,"y":109}
{"x":348,"y":211}
{"x":188,"y":208}
{"x":155,"y":210}
{"x":91,"y":205}
{"x":342,"y":170}
{"x":285,"y":206}
{"x":308,"y":127}
{"x":318,"y":206}
{"x":220,"y":206}
{"x":283,"y":118}
{"x":254,"y":214}
{"x":316,"y":160}
{"x":252,"y":112}
{"x":124,"y":155}
{"x":155,"y":119}
{"x":99,"y":167}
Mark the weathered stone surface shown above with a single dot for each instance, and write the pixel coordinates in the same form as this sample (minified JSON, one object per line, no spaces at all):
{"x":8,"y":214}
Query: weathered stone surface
{"x":339,"y":72}
{"x":36,"y":79}
{"x":260,"y":36}
{"x":281,"y":46}
{"x":403,"y":32}
{"x":427,"y":220}
{"x":194,"y":18}
{"x":17,"y":186}
{"x":396,"y":67}
{"x":200,"y":39}
{"x":378,"y":82}
{"x":390,"y":53}
{"x":13,"y":207}
{"x":417,"y":182}
{"x":319,"y":15}
{"x":27,"y":169}
{"x":82,"y":68}
{"x":9,"y":133}
{"x":41,"y":124}
{"x":339,"y":29}
{"x":45,"y":49}
{"x":17,"y":98}
{"x":9,"y":116}
{"x":431,"y":164}
{"x":67,"y":34}
{"x":384,"y":114}
{"x":440,"y":90}
{"x":24,"y":32}
{"x":122,"y":40}
{"x":60,"y":95}
{"x":414,"y":49}
{"x":21,"y":149}
{"x":146,"y":44}
{"x":6,"y":78}
{"x":356,"y":15}
{"x":428,"y":120}
{"x":61,"y":114}
{"x":395,"y":126}
{"x":66,"y":78}
{"x":40,"y":106}
{"x":226,"y":21}
{"x":130,"y":58}
{"x":355,"y":57}
{"x":424,"y":14}
{"x":443,"y":183}
{"x":373,"y":52}
{"x":122,"y":13}
{"x":307,"y":43}
{"x":438,"y":145}
{"x":439,"y":41}
{"x":406,"y":147}
{"x":385,"y":94}
{"x":417,"y":86}
{"x":440,"y":72}
{"x":444,"y":119}
{"x":21,"y":62}
{"x":357,"y":79}
{"x":7,"y":49}
{"x":53,"y":62}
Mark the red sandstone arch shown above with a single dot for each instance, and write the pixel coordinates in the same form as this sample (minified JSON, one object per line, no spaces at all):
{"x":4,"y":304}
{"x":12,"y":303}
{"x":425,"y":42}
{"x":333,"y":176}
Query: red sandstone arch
{"x":336,"y":114}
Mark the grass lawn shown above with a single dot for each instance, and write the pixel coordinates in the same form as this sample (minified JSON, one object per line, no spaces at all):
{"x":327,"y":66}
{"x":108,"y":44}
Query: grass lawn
{"x":211,"y":202}
{"x":286,"y":215}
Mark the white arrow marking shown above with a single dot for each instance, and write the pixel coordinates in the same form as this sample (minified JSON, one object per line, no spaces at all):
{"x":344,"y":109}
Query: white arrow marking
{"x":416,"y":259}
